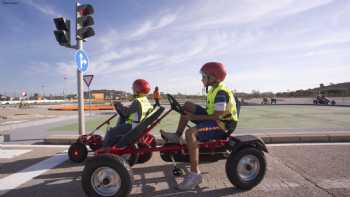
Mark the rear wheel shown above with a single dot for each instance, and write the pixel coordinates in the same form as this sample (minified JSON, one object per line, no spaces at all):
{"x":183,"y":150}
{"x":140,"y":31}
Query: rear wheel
{"x":77,"y":152}
{"x":246,"y":168}
{"x":107,"y":175}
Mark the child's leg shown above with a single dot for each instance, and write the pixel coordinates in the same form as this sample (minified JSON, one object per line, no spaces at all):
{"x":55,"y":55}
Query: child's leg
{"x":113,"y":134}
{"x":192,"y":145}
{"x":188,"y":107}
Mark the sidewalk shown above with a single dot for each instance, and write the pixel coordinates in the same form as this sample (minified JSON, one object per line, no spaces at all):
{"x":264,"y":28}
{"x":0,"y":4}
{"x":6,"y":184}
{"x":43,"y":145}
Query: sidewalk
{"x":271,"y":138}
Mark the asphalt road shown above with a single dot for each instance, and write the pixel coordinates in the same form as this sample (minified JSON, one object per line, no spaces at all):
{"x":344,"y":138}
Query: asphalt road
{"x":293,"y":170}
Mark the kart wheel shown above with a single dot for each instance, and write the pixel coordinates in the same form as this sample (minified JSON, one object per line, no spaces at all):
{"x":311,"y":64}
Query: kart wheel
{"x":144,"y":157}
{"x":77,"y":152}
{"x":246,"y":168}
{"x":107,"y":175}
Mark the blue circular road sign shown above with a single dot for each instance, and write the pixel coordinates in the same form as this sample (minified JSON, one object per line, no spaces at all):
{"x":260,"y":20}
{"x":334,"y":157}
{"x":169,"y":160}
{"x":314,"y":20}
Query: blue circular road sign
{"x":81,"y":60}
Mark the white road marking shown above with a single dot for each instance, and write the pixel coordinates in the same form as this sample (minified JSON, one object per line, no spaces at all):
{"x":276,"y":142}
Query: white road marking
{"x":15,"y":180}
{"x":8,"y":154}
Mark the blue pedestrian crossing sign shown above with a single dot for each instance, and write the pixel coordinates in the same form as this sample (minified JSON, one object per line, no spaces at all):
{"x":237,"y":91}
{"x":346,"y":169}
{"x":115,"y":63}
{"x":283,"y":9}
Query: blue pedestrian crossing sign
{"x":81,"y":60}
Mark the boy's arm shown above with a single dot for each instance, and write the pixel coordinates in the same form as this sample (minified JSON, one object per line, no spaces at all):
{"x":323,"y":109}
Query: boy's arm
{"x":132,"y":108}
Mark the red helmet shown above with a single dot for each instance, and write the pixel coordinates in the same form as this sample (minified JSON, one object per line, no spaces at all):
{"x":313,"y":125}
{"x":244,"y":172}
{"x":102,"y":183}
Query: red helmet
{"x":214,"y":69}
{"x":141,"y":86}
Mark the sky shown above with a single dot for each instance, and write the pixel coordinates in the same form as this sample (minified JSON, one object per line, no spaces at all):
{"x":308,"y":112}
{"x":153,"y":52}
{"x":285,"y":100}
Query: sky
{"x":271,"y":45}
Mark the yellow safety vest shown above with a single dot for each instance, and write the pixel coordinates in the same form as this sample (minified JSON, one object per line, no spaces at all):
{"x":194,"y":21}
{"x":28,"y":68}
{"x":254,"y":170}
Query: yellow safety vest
{"x":146,"y":108}
{"x":231,"y":109}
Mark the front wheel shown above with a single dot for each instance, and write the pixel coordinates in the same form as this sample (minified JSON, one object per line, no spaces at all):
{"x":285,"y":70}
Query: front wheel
{"x":107,"y":175}
{"x":77,"y":152}
{"x":246,"y":168}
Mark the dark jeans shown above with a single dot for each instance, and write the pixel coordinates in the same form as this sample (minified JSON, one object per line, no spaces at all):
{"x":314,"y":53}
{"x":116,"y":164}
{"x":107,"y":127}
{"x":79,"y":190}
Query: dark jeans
{"x":114,"y":133}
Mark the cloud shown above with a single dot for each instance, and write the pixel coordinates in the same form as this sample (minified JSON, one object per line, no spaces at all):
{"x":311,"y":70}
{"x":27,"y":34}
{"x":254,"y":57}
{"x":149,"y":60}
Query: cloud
{"x":150,"y":26}
{"x":44,"y":8}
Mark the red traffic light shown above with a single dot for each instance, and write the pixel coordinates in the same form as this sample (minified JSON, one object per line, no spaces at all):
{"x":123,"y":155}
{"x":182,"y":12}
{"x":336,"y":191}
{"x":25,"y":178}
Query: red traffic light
{"x":85,"y":9}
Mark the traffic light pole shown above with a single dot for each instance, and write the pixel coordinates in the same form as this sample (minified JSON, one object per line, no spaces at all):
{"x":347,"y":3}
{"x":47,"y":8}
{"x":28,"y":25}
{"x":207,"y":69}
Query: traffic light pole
{"x":80,"y":86}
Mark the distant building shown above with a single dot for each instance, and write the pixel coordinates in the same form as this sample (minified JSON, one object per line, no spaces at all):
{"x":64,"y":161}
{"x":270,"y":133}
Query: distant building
{"x":104,"y":95}
{"x":4,"y":98}
{"x":340,"y":89}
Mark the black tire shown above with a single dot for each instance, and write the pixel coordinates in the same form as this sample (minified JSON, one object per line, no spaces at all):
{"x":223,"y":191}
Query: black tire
{"x":111,"y":163}
{"x":232,"y":168}
{"x":77,"y":152}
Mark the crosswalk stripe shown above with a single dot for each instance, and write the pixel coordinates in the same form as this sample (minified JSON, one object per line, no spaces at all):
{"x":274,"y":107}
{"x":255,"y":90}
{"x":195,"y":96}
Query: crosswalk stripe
{"x":13,"y":181}
{"x":11,"y":153}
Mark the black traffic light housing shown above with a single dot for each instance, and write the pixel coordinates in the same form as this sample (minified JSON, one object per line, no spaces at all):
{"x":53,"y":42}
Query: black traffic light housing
{"x":62,"y":33}
{"x":84,"y":21}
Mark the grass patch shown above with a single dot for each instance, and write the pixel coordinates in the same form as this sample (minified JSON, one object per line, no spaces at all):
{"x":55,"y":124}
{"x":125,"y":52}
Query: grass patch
{"x":255,"y":117}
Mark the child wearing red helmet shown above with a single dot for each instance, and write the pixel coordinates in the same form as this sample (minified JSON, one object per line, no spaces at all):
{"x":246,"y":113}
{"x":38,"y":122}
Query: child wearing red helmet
{"x":132,"y":115}
{"x":219,"y":116}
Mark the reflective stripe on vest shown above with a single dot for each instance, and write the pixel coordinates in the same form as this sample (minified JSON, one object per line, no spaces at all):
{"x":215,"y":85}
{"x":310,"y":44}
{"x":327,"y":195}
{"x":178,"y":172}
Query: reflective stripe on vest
{"x":146,"y":108}
{"x":230,"y":111}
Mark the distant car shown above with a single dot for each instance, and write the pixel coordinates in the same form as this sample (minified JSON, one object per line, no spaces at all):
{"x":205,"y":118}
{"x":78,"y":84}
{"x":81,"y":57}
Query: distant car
{"x":322,"y":100}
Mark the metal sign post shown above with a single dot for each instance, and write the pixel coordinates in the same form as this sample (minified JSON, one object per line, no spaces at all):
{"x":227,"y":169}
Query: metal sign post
{"x":80,"y":85}
{"x":81,"y":96}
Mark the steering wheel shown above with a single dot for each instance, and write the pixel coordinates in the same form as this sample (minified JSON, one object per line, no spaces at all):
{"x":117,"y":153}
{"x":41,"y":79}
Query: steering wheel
{"x":174,"y":104}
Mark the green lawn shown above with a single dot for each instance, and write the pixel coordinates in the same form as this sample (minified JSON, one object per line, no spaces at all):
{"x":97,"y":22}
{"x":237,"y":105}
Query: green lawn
{"x":258,"y":117}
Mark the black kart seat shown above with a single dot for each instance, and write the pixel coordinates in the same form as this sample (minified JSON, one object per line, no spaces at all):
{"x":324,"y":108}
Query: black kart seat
{"x":132,"y":136}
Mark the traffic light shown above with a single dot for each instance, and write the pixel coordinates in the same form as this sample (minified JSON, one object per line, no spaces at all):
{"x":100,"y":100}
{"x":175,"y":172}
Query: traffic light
{"x":84,"y":21}
{"x":62,"y":33}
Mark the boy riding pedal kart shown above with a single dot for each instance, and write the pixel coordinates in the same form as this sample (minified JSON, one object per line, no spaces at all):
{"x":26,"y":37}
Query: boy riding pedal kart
{"x":130,"y":116}
{"x":212,"y":122}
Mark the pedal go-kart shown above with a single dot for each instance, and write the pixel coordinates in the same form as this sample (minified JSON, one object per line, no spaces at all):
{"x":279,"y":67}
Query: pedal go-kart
{"x":109,"y":172}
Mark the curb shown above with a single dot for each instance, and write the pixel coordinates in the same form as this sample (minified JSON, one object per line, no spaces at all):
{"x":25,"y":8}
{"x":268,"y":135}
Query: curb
{"x":273,"y":138}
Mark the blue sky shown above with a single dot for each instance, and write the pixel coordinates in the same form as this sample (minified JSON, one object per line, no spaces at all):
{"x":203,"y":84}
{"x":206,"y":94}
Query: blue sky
{"x":272,"y":45}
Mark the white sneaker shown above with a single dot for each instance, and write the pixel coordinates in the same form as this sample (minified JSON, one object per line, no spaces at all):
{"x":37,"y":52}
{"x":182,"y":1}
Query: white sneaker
{"x":170,"y":137}
{"x":190,"y":182}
